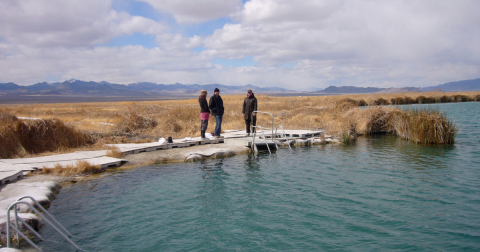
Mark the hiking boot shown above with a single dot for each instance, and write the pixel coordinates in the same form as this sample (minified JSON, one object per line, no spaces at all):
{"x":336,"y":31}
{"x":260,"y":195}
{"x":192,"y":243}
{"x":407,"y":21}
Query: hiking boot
{"x":248,"y":134}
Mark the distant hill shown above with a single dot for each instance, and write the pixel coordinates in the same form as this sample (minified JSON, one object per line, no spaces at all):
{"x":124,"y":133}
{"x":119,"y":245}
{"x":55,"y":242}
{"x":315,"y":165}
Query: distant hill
{"x":351,"y":90}
{"x":141,"y":89}
{"x":399,"y":90}
{"x":148,"y":89}
{"x":465,"y":85}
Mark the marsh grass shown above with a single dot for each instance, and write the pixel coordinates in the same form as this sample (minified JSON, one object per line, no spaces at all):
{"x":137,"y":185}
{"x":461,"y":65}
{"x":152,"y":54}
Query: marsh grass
{"x":9,"y":142}
{"x":130,"y":122}
{"x":114,"y":152}
{"x":20,"y":138}
{"x":424,"y":126}
{"x":80,"y":167}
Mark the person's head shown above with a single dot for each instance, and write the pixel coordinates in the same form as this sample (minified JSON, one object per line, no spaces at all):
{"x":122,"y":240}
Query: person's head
{"x":249,"y":92}
{"x":217,"y":92}
{"x":203,"y":92}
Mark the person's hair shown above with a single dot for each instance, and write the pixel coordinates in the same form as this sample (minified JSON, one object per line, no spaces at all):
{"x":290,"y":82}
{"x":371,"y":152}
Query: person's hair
{"x":249,"y":91}
{"x":203,"y":92}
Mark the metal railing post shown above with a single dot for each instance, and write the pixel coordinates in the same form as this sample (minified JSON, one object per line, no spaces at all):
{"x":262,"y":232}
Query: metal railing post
{"x":262,"y":112}
{"x":253,"y":143}
{"x":288,"y":141}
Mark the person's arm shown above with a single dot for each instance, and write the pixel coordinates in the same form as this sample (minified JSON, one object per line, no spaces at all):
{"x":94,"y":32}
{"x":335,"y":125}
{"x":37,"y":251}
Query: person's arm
{"x":204,"y":105}
{"x":243,"y":108}
{"x":255,"y":106}
{"x":212,"y":105}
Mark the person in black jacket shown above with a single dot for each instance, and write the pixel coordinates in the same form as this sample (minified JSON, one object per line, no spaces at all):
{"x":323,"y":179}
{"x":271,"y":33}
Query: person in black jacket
{"x":250,"y":105}
{"x":216,"y":105}
{"x":204,"y":112}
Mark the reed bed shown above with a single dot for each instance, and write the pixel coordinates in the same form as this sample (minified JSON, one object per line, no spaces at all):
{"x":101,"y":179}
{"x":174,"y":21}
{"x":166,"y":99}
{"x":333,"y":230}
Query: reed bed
{"x":80,"y":167}
{"x":114,"y":152}
{"x":91,"y":125}
{"x":19,"y":137}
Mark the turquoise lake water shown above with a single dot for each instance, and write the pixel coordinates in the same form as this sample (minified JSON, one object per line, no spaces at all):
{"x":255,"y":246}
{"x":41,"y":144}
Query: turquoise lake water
{"x":380,"y":193}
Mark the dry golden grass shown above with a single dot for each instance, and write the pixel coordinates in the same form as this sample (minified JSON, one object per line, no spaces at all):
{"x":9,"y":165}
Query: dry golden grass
{"x":114,"y":152}
{"x":80,"y":167}
{"x":123,"y":122}
{"x":9,"y":141}
{"x":20,"y":138}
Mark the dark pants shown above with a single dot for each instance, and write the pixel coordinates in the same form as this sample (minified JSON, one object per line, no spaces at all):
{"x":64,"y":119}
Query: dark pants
{"x":218,"y":125}
{"x":204,"y":125}
{"x":254,"y":123}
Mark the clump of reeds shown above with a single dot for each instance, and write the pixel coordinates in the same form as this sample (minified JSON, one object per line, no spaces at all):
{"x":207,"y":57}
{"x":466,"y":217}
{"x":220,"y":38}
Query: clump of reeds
{"x":132,"y":122}
{"x":9,"y":143}
{"x":7,"y":117}
{"x":397,"y":101}
{"x":114,"y":152}
{"x":374,"y":120}
{"x":80,"y":167}
{"x":380,"y":102}
{"x":19,"y":137}
{"x":461,"y":98}
{"x":424,"y":126}
{"x":424,"y":100}
{"x":50,"y":135}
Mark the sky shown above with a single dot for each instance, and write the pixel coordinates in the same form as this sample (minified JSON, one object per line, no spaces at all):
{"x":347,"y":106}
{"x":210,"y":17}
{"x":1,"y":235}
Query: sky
{"x":300,"y":45}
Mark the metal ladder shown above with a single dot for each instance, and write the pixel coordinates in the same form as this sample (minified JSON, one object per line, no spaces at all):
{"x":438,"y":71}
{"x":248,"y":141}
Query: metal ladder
{"x":53,"y":222}
{"x":274,"y":136}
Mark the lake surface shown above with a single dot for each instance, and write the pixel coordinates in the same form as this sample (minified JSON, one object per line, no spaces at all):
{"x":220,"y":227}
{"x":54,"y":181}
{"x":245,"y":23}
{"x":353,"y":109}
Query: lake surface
{"x":380,"y":193}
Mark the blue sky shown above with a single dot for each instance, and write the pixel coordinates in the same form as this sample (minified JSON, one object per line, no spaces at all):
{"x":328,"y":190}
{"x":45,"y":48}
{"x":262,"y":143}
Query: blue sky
{"x":303,"y":45}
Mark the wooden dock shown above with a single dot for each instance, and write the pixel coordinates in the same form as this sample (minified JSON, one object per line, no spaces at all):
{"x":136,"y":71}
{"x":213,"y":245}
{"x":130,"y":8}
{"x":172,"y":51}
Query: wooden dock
{"x":133,"y":148}
{"x":12,"y":169}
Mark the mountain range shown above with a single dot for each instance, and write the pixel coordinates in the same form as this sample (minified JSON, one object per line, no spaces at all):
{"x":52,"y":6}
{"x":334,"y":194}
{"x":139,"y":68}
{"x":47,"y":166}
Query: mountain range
{"x":144,"y":89}
{"x":465,"y":85}
{"x":147,"y":89}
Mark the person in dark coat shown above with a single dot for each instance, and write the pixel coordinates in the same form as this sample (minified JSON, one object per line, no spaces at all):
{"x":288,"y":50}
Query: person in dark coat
{"x":250,"y":105}
{"x":216,"y":106}
{"x":204,"y":112}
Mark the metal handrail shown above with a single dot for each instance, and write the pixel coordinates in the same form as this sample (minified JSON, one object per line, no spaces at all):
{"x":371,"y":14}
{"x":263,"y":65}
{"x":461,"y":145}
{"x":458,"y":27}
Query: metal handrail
{"x":274,"y":136}
{"x":19,"y":233}
{"x":288,"y":142}
{"x":253,"y":143}
{"x":262,"y":112}
{"x":47,"y":213}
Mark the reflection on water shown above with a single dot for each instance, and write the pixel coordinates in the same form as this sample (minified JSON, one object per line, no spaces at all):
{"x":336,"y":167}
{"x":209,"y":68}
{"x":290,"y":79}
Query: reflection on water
{"x":379,"y":193}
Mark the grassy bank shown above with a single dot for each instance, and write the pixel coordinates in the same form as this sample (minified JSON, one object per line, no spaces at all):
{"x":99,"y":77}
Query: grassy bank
{"x":122,"y":122}
{"x":24,"y":137}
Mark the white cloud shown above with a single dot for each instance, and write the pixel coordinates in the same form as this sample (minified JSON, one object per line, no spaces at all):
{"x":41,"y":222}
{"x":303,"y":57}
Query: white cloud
{"x":51,"y":23}
{"x":193,"y":11}
{"x":344,"y":42}
{"x":359,"y":41}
